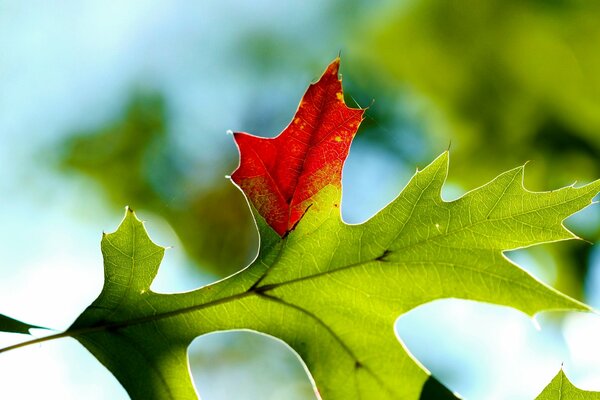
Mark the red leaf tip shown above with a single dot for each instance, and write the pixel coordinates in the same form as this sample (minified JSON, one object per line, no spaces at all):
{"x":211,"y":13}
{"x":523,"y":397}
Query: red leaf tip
{"x":280,"y":176}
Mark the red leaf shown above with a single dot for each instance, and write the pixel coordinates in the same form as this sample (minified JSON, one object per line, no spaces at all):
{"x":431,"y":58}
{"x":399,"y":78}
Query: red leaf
{"x":281,"y":175}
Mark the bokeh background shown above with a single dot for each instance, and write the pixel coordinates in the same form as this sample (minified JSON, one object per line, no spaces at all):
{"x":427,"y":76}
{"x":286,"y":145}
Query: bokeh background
{"x":107,"y":104}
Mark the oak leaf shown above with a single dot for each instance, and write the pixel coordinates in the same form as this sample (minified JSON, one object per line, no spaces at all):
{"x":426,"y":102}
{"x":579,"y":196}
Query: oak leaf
{"x":331,"y":291}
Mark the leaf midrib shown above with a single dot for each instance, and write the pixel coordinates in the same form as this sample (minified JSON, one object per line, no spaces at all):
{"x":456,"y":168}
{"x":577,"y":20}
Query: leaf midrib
{"x":253,"y":291}
{"x":257,"y":291}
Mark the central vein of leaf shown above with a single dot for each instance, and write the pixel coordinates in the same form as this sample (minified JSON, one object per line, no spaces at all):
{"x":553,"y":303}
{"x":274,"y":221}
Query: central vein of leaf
{"x":307,"y":146}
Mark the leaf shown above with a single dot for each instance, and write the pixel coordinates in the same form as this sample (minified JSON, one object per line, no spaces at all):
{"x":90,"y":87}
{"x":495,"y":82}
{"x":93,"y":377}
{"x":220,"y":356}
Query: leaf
{"x":280,"y":176}
{"x":560,"y":388}
{"x":8,"y":324}
{"x":332,"y":291}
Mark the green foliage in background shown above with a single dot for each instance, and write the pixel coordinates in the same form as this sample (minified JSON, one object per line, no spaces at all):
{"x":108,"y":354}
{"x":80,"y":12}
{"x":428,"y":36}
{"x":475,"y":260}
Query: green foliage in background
{"x":134,"y":163}
{"x":517,"y":78}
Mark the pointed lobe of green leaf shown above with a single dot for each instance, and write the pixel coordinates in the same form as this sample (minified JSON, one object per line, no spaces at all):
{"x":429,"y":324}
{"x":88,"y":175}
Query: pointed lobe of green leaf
{"x":560,"y":388}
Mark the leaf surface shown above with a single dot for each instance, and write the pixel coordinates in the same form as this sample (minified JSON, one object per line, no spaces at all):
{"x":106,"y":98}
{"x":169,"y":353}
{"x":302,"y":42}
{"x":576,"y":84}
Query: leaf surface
{"x":560,"y":388}
{"x":280,"y":176}
{"x":331,"y":291}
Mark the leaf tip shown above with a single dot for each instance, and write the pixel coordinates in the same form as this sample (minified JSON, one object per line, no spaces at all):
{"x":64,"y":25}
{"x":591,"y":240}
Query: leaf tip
{"x":238,"y":138}
{"x":130,"y":215}
{"x":334,"y":67}
{"x":332,"y":75}
{"x":442,"y":163}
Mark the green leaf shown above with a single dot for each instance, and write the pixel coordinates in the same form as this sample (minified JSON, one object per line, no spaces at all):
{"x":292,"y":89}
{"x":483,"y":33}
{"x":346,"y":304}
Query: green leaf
{"x":560,"y":388}
{"x":332,"y":291}
{"x":8,"y":324}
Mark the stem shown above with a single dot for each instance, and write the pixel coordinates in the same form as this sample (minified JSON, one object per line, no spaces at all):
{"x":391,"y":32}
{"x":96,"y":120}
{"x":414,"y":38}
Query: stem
{"x":255,"y":289}
{"x":38,"y":340}
{"x":116,"y":325}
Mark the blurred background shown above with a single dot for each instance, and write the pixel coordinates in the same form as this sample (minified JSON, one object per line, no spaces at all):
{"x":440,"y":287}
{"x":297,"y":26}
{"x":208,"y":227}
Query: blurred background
{"x":103,"y":106}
